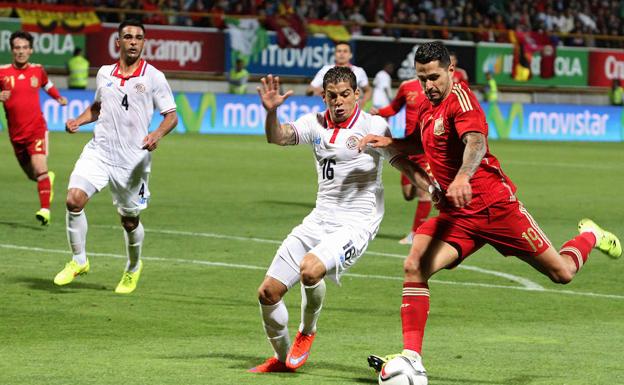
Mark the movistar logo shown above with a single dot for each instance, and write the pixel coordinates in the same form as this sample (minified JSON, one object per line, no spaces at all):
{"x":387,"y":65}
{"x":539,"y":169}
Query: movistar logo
{"x":501,"y":125}
{"x":193,"y":118}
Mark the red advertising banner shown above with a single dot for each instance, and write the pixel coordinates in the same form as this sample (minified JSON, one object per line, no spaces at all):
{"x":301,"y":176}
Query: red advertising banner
{"x":167,"y":48}
{"x":604,"y":66}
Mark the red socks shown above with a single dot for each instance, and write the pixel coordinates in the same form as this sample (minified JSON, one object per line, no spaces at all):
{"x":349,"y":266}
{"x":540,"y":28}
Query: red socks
{"x":422,"y":212}
{"x":414,"y":313}
{"x":578,"y":248}
{"x":43,"y":186}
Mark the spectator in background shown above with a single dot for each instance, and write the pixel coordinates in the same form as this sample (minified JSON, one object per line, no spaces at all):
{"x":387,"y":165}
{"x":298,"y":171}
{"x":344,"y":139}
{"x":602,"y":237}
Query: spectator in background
{"x":238,"y":78}
{"x":616,"y":93}
{"x":382,"y":86}
{"x":78,"y":69}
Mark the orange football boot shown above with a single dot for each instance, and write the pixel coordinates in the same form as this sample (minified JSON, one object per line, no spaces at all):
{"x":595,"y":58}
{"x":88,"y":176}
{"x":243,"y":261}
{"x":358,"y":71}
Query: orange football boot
{"x":300,"y":350}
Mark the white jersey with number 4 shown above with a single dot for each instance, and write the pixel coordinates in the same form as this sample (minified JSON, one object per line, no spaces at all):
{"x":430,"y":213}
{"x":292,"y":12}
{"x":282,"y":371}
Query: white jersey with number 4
{"x":349,"y":181}
{"x":127,"y":107}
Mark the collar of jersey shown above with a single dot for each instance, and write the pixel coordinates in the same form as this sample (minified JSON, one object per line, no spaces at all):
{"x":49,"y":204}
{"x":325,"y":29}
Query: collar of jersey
{"x":138,"y":72}
{"x":20,"y":69}
{"x":348,"y":123}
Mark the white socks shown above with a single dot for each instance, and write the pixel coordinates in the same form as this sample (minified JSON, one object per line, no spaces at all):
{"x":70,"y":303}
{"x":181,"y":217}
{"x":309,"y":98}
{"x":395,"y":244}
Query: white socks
{"x":311,"y":304}
{"x":134,"y":242}
{"x":275,"y":320}
{"x":77,"y":235}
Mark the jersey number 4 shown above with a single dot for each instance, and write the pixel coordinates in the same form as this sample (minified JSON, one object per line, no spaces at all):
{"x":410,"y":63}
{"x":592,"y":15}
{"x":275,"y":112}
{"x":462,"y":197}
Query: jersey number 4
{"x":124,"y":102}
{"x":328,"y":170}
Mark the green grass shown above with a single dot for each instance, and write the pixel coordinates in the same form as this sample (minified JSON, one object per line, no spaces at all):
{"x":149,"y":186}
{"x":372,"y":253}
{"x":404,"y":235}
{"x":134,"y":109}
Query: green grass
{"x":193,"y":323}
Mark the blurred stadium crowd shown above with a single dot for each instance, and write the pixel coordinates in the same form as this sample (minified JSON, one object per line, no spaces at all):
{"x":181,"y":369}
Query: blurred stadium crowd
{"x":571,"y":22}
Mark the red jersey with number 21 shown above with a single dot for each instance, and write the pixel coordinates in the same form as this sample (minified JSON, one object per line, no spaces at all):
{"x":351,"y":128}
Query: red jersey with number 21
{"x":441,"y":128}
{"x":23,"y":110}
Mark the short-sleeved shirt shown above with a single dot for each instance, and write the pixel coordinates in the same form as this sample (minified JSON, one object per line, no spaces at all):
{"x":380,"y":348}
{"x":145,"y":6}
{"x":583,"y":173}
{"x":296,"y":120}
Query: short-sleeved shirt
{"x":442,"y":127}
{"x":348,"y":180}
{"x":127,"y":107}
{"x":411,"y":95}
{"x":360,"y":76}
{"x":23,"y":109}
{"x":382,"y":86}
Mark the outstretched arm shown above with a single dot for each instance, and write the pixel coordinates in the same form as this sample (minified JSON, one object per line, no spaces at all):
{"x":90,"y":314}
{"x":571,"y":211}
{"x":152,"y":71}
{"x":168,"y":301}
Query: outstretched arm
{"x":89,"y":115}
{"x":459,"y":191}
{"x":269,"y":91}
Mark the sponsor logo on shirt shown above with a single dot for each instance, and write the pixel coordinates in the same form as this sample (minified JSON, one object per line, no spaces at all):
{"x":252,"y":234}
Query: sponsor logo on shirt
{"x":34,"y":82}
{"x":438,"y":126}
{"x":109,"y":84}
{"x":352,"y":142}
{"x":21,"y":77}
{"x":317,"y":140}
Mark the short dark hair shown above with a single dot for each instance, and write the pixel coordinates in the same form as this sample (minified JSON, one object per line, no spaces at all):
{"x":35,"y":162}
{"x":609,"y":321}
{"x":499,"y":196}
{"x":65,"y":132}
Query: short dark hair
{"x":433,"y":51}
{"x":77,"y":51}
{"x":131,"y":22}
{"x":21,"y":35}
{"x":343,"y":43}
{"x":340,"y":74}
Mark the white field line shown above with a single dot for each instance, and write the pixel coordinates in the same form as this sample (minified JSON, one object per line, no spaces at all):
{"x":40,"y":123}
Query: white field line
{"x":365,"y":276}
{"x":522,"y":281}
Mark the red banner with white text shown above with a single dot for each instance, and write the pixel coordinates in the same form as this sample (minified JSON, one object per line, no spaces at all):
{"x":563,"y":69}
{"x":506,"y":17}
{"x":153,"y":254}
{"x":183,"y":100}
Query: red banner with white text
{"x":604,"y":66}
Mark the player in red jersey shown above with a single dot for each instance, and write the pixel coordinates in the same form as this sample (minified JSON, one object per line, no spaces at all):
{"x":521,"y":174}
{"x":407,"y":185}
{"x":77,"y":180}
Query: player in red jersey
{"x":476,"y":199}
{"x":19,"y":91}
{"x":410,"y":94}
{"x":459,"y":74}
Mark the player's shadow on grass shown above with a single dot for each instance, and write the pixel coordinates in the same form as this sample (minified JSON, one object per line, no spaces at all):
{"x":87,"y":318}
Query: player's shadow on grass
{"x":49,"y":286}
{"x":18,"y":225}
{"x":306,"y":205}
{"x":393,"y":237}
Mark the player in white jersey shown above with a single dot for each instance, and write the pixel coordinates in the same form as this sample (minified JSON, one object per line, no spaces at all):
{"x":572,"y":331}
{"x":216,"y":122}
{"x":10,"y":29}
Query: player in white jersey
{"x":349,"y":209}
{"x":118,"y":155}
{"x":342,"y":58}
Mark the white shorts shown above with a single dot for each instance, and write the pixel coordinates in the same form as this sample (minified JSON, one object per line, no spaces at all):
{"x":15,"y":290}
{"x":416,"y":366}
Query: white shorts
{"x":129,"y":187}
{"x":337,"y":245}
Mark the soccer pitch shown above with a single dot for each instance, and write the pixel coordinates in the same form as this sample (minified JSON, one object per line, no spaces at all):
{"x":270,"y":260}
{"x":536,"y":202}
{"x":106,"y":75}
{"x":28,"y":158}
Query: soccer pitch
{"x":220,"y":207}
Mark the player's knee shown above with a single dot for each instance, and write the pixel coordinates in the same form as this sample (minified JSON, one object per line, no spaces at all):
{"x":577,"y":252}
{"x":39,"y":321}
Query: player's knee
{"x":412,"y":266}
{"x":76,"y":200}
{"x":561,"y":276}
{"x":129,"y":223}
{"x":312,"y":271}
{"x":267,"y":296}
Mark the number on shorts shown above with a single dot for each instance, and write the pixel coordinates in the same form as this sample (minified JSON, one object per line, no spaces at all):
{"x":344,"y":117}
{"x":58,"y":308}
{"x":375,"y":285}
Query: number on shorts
{"x":531,"y":236}
{"x":328,"y":171}
{"x":124,"y":102}
{"x":349,"y":250}
{"x":39,"y":145}
{"x":142,"y":191}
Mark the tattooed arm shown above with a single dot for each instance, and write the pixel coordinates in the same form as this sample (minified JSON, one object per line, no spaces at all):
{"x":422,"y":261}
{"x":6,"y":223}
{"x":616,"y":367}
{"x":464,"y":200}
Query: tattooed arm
{"x":459,"y":191}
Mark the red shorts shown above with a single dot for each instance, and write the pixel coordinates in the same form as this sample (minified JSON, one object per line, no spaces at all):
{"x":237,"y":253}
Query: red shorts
{"x":36,"y":144}
{"x":507,"y":226}
{"x":422,"y":162}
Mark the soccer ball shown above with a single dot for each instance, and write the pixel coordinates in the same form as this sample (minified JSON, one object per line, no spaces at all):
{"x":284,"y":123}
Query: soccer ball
{"x":401,"y":371}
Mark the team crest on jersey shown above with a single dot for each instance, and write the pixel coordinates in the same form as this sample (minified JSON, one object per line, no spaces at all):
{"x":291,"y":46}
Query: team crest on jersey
{"x":352,"y":142}
{"x":34,"y":82}
{"x":438,"y":126}
{"x":140,"y":88}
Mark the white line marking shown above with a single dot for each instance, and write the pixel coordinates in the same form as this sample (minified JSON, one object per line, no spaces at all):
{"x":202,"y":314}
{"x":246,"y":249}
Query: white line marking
{"x":354,"y":275}
{"x":522,"y":281}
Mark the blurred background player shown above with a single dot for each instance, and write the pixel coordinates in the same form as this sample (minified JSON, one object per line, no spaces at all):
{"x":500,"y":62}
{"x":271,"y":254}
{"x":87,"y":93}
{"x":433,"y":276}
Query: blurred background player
{"x":119,"y":155}
{"x":382,"y":86}
{"x":20,"y":82}
{"x":78,"y":69}
{"x":616,"y":92}
{"x":410,"y":95}
{"x":237,"y":78}
{"x":343,"y":57}
{"x":478,"y":204}
{"x":349,"y":209}
{"x":491,"y":88}
{"x":460,"y":74}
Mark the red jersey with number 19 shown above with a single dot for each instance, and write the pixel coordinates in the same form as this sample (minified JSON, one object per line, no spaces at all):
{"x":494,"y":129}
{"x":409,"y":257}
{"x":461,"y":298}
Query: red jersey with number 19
{"x":23,"y":109}
{"x":442,"y":127}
